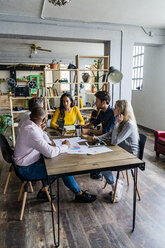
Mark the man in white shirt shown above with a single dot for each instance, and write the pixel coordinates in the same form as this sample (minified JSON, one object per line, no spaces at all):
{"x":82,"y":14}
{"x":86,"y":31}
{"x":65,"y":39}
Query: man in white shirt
{"x":31,"y":145}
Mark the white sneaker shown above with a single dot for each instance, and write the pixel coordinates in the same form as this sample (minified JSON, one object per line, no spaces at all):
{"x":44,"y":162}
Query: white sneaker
{"x":118,"y":191}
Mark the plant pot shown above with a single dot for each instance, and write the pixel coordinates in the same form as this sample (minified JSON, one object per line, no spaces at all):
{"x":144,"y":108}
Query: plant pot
{"x":93,"y":89}
{"x":54,"y":66}
{"x":99,"y":67}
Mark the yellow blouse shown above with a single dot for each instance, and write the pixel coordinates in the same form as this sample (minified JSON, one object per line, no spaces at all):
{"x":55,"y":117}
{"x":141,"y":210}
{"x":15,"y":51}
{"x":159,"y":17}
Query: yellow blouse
{"x":69,"y":118}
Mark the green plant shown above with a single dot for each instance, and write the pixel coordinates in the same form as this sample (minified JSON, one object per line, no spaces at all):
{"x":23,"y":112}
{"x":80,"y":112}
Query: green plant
{"x":54,"y":61}
{"x":5,"y":121}
{"x":98,"y":63}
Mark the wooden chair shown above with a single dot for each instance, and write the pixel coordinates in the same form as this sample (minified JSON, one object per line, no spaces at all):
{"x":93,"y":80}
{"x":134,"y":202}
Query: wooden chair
{"x":142,"y":141}
{"x":7,"y":153}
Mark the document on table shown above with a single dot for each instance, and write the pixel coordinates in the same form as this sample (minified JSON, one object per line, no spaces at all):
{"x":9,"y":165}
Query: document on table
{"x":76,"y":148}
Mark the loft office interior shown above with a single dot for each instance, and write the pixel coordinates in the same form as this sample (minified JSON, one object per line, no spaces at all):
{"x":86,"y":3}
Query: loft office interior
{"x":93,"y":29}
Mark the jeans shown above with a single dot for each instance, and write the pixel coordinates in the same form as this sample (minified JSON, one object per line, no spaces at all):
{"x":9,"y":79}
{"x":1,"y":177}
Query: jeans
{"x":37,"y":172}
{"x":109,"y":177}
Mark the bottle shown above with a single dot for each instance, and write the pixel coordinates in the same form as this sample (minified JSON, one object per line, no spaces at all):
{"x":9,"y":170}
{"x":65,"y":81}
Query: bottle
{"x":61,"y":126}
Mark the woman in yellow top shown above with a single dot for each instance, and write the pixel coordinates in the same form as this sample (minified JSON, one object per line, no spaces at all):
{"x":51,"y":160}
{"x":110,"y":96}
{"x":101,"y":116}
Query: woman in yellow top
{"x":66,"y":111}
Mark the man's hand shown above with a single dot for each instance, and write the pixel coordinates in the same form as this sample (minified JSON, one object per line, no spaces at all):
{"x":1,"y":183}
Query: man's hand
{"x":85,"y":130}
{"x":66,"y":142}
{"x":43,"y":125}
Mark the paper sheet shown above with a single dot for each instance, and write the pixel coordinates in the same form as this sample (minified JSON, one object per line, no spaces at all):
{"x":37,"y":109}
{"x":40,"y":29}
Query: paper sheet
{"x":76,"y":148}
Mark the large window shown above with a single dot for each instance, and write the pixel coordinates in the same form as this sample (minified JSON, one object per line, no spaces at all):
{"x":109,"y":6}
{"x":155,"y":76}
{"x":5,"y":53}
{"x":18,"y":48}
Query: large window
{"x":137,"y":69}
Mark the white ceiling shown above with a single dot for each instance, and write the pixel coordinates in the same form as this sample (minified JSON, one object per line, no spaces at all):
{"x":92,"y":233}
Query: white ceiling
{"x":18,"y":50}
{"x":148,"y":13}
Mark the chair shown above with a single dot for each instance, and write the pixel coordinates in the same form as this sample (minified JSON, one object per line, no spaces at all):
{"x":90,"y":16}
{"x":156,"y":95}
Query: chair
{"x":159,"y":142}
{"x":142,"y":141}
{"x":7,"y":154}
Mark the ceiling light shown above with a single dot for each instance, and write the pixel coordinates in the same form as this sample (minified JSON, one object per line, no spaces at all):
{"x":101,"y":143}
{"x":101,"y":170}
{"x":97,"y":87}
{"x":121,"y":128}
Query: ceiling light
{"x":59,"y":2}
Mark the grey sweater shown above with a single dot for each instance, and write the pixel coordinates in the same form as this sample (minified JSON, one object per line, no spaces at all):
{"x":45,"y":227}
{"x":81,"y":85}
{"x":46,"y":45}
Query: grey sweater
{"x":128,"y":138}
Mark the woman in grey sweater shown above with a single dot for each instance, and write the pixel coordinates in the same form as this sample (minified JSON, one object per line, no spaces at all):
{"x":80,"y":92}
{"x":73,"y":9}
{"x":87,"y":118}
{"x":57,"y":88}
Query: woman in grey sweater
{"x":124,"y":134}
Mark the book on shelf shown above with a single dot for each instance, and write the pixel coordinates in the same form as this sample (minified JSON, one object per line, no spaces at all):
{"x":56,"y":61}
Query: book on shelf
{"x":51,"y":92}
{"x":41,"y":92}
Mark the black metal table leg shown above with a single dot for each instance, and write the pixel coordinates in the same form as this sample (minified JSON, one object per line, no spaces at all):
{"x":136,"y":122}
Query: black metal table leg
{"x":134,"y":198}
{"x":58,"y":216}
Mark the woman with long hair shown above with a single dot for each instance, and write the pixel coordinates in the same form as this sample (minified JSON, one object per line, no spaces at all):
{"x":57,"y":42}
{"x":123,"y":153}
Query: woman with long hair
{"x":67,"y":112}
{"x":125,"y":134}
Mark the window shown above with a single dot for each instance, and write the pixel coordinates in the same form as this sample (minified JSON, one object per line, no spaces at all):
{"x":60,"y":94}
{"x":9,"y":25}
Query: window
{"x":137,"y":68}
{"x":64,"y":75}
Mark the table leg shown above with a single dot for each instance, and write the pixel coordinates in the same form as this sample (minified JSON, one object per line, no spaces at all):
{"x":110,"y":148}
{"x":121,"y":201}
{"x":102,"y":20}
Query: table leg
{"x":58,"y":215}
{"x":134,"y":198}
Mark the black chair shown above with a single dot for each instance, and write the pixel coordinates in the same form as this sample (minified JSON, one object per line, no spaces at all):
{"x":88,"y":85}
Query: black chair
{"x":7,"y":154}
{"x":142,"y":141}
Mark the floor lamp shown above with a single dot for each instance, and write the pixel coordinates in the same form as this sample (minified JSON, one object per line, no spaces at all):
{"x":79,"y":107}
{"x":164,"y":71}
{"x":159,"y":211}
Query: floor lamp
{"x":114,"y":76}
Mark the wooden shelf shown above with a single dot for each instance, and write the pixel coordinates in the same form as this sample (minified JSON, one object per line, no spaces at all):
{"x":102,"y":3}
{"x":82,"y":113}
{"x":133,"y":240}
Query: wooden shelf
{"x":53,"y":96}
{"x":94,"y":70}
{"x":93,"y":57}
{"x":21,"y":98}
{"x":61,"y":83}
{"x":19,"y":112}
{"x":61,"y":69}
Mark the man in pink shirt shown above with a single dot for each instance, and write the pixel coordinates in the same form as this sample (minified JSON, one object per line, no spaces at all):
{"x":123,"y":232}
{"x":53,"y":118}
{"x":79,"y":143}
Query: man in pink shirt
{"x":31,"y":145}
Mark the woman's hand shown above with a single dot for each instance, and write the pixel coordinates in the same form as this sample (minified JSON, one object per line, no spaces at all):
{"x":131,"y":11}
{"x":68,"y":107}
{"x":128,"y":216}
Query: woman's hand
{"x":66,"y":142}
{"x":120,"y":118}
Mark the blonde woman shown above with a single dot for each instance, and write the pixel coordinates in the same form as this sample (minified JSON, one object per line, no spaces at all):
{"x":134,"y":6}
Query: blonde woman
{"x":124,"y":134}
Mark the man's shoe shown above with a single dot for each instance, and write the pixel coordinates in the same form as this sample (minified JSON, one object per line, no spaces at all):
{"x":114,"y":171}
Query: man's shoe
{"x":43,"y":196}
{"x":119,"y":192}
{"x":96,"y":175}
{"x":85,"y":197}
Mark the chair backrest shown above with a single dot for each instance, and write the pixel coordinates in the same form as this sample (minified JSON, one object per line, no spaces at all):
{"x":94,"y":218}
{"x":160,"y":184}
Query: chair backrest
{"x":6,"y":150}
{"x":7,"y":153}
{"x":142,"y":141}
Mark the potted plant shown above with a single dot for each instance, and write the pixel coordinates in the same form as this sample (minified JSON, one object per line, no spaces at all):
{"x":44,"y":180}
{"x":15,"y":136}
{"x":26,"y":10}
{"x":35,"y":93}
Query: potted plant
{"x":98,"y":63}
{"x":93,"y":88}
{"x":5,"y":122}
{"x":55,"y":64}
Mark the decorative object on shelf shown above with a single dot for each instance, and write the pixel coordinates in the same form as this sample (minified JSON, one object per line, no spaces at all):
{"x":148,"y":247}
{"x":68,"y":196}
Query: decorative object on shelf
{"x":11,"y":82}
{"x":55,"y":64}
{"x":98,"y":63}
{"x":5,"y":121}
{"x":32,"y":84}
{"x":85,"y":77}
{"x":21,"y":91}
{"x":59,"y":2}
{"x":71,"y":66}
{"x":93,"y":88}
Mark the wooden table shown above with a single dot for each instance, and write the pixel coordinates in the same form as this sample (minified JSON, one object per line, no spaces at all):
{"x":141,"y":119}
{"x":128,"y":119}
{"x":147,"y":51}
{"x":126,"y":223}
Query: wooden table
{"x":74,"y":164}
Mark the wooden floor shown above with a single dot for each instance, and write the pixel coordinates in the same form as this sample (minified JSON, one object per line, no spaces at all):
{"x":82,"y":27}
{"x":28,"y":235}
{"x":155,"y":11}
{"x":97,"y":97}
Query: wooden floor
{"x":97,"y":225}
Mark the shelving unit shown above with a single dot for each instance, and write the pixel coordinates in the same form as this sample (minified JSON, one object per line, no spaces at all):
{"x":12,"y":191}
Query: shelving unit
{"x":54,"y":88}
{"x":75,"y":83}
{"x":18,"y":100}
{"x":95,"y":72}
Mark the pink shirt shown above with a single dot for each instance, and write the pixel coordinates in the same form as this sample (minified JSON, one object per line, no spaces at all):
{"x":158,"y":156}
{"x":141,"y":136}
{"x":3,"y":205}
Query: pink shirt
{"x":31,"y":143}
